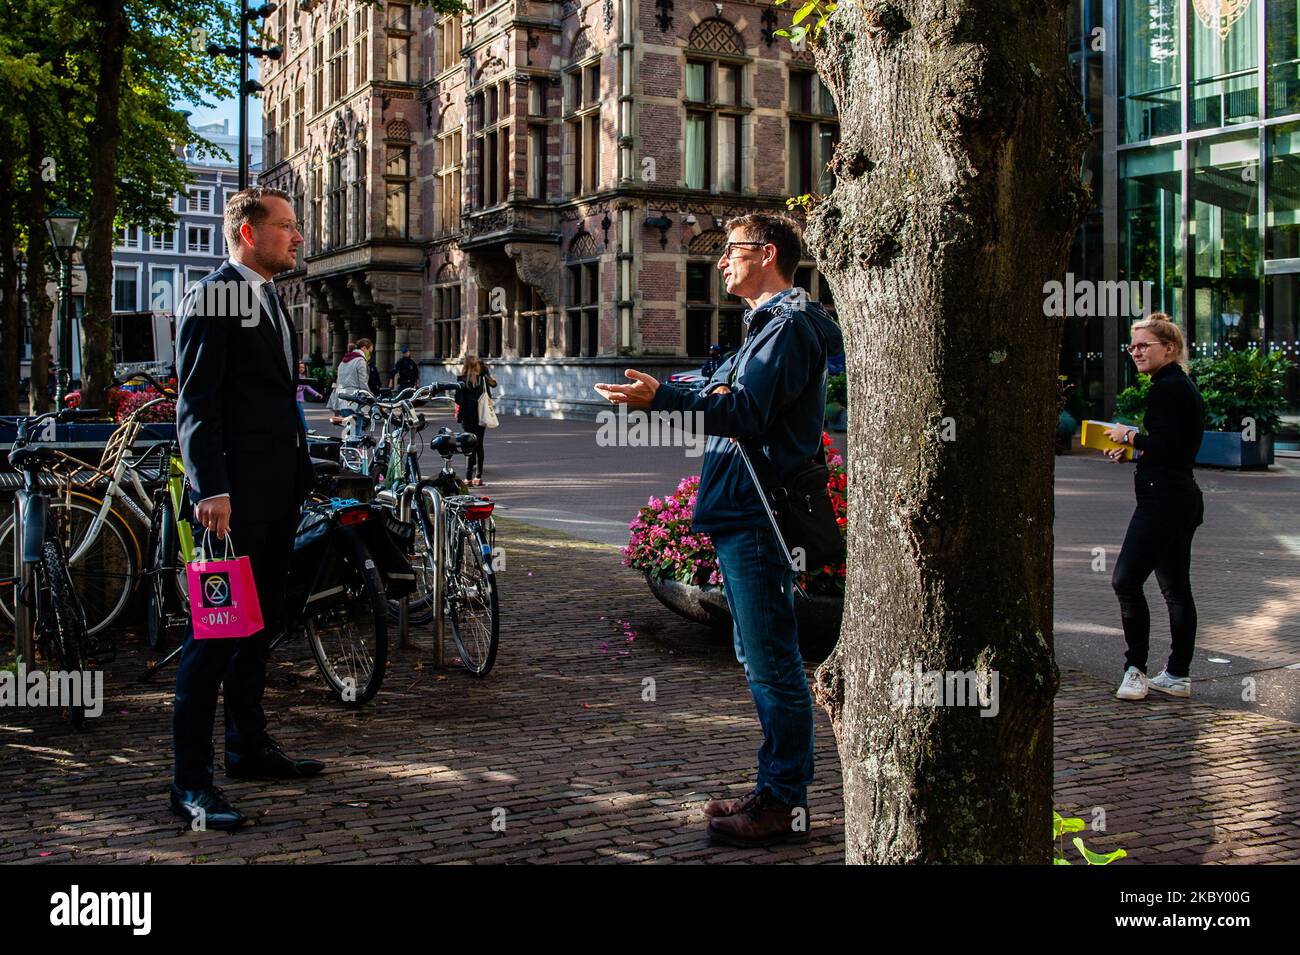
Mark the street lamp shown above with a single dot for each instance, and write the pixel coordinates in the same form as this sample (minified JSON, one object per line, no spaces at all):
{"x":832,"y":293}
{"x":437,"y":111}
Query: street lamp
{"x":62,"y":224}
{"x":246,"y":86}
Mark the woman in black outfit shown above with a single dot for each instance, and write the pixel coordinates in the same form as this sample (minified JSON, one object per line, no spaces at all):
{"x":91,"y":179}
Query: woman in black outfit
{"x":1169,"y":509}
{"x":473,"y":378}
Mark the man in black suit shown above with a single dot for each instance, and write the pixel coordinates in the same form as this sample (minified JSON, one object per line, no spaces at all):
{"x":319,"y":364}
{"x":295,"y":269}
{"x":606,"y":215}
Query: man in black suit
{"x":249,"y":471}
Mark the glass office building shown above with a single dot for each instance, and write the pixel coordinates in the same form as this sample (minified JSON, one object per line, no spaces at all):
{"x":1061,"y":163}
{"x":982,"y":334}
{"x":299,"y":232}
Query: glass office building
{"x":1195,"y":170}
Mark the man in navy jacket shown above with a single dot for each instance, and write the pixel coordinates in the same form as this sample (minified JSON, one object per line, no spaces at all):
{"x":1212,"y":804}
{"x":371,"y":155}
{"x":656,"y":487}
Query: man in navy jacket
{"x":772,"y":395}
{"x":249,"y":471}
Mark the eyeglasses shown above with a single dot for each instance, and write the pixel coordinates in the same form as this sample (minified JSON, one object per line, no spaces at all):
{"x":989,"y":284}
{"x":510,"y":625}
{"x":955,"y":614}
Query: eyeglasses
{"x":729,"y":250}
{"x":288,"y":226}
{"x":1138,"y":348}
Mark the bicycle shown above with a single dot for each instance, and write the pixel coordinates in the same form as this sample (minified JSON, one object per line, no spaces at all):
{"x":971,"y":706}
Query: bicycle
{"x":56,"y":623}
{"x":105,"y":557}
{"x":454,"y":532}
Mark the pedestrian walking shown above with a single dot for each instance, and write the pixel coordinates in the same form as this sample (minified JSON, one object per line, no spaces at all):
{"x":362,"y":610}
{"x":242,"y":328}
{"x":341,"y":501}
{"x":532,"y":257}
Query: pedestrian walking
{"x":406,"y":373}
{"x":352,"y":375}
{"x":1169,"y":509}
{"x":304,"y":389}
{"x":771,"y":395}
{"x":473,"y":383}
{"x":248,"y":475}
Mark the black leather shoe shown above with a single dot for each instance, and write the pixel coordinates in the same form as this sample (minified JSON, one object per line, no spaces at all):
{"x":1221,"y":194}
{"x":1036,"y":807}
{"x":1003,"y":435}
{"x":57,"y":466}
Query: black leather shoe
{"x":270,"y":762}
{"x":208,"y":805}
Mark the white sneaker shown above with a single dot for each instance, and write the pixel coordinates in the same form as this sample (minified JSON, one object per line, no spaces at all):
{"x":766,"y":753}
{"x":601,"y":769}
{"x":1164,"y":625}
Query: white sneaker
{"x":1173,"y":685}
{"x":1133,"y":686}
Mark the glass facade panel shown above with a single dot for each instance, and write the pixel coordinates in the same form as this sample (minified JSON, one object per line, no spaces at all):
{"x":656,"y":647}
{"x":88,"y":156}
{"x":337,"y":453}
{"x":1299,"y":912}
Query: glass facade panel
{"x":1225,"y":244}
{"x":1283,"y":57}
{"x":1282,"y":197}
{"x":1282,"y":304}
{"x":1225,"y":60}
{"x":1150,"y":94}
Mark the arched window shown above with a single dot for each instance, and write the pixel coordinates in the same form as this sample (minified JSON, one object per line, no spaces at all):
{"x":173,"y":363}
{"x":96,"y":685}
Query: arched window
{"x":712,"y":315}
{"x":446,"y":313}
{"x":317,"y":202}
{"x":715,"y":108}
{"x":397,"y":180}
{"x":360,"y":201}
{"x":582,"y":297}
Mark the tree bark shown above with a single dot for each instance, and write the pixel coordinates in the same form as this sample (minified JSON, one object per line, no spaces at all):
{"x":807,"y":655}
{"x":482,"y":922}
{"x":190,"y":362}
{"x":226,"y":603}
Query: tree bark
{"x":39,"y":304}
{"x":106,"y":135}
{"x":957,"y":194}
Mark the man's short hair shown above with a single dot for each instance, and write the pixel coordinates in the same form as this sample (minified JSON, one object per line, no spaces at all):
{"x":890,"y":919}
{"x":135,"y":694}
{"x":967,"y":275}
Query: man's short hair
{"x":365,"y":343}
{"x":781,"y":231}
{"x":247,"y":206}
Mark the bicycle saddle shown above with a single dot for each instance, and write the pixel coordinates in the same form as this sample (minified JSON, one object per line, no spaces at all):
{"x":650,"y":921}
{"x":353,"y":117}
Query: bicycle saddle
{"x":39,"y":455}
{"x":325,"y":468}
{"x":444,"y":442}
{"x":466,"y":442}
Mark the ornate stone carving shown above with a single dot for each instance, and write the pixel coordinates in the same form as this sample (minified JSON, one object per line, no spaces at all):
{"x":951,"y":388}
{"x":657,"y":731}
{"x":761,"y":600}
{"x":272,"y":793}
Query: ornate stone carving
{"x":539,"y":266}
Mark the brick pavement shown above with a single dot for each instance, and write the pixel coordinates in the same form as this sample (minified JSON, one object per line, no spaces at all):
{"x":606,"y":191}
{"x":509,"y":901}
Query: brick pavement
{"x":559,"y":737}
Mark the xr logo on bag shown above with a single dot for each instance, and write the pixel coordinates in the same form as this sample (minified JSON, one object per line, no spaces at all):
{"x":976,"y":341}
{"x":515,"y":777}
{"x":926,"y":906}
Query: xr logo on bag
{"x":216,"y":590}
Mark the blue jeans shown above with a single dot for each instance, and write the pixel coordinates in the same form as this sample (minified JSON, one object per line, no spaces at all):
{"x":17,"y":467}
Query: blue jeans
{"x":760,"y":593}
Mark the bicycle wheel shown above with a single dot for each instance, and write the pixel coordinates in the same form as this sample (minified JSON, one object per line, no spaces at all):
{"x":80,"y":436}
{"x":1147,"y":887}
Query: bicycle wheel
{"x":350,"y":638}
{"x":425,"y":569}
{"x":62,"y":621}
{"x":103,"y":576}
{"x":472,"y":598}
{"x":165,"y":593}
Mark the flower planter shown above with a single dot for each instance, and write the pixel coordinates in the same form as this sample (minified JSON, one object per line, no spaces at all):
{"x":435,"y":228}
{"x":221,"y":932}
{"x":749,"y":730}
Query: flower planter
{"x":818,"y":617}
{"x":1227,"y":449}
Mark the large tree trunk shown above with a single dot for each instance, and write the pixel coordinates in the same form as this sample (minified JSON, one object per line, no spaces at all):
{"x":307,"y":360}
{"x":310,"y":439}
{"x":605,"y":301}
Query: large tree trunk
{"x":956,"y":197}
{"x":106,"y":135}
{"x":39,"y":304}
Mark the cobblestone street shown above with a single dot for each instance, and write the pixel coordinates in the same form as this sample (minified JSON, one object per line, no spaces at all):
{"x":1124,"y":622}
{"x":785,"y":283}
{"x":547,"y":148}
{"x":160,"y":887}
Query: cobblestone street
{"x":560,"y":746}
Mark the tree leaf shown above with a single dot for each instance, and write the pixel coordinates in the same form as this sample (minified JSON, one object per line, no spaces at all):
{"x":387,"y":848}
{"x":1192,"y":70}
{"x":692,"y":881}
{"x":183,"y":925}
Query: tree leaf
{"x":1096,"y":858}
{"x":802,"y":13}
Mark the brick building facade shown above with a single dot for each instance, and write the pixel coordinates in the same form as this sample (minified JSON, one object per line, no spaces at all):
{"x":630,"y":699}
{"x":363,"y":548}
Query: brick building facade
{"x":542,"y":183}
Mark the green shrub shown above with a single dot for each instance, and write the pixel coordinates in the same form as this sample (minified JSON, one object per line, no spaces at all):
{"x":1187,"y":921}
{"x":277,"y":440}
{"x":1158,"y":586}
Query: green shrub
{"x":1243,"y":384}
{"x":1131,"y":403}
{"x":837,"y":389}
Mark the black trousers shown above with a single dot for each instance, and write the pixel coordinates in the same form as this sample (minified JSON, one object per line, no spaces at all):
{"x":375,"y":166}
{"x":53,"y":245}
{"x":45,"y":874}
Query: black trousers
{"x":475,"y":467}
{"x":1159,"y":539}
{"x":238,"y":665}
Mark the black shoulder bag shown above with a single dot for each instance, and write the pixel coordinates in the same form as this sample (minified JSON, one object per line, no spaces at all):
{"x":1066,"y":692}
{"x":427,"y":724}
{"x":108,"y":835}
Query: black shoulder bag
{"x":799,"y":505}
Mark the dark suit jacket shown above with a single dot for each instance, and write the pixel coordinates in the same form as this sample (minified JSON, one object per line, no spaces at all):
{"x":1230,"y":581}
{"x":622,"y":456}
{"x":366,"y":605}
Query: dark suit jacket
{"x":237,"y":413}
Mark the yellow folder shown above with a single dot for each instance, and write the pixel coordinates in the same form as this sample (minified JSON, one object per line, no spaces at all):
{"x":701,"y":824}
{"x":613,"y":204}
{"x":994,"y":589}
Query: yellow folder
{"x":1094,"y":436}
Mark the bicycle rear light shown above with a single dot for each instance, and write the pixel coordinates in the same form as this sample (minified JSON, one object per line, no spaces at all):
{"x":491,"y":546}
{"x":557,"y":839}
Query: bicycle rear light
{"x":357,"y":516}
{"x":477,"y":512}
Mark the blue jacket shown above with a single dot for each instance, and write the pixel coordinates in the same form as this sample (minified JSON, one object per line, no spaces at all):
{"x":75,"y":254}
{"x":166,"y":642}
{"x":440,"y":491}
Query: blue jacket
{"x":777,"y":401}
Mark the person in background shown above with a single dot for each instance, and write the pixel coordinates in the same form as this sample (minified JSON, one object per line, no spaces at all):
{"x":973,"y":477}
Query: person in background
{"x":305,"y":389}
{"x":1169,"y":509}
{"x":352,"y":375}
{"x":473,"y":379}
{"x":406,"y":373}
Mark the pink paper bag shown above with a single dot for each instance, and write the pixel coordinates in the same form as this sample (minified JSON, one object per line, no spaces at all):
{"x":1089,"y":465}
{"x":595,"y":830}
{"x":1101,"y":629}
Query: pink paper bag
{"x":223,"y":597}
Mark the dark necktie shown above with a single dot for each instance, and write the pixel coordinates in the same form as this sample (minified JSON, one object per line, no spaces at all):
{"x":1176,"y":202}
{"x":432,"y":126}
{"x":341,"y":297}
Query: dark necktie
{"x":279,"y":316}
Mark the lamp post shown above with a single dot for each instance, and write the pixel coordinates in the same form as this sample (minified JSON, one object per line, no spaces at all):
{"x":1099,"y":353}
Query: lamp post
{"x":62,"y":224}
{"x":246,"y":86}
{"x":21,"y":261}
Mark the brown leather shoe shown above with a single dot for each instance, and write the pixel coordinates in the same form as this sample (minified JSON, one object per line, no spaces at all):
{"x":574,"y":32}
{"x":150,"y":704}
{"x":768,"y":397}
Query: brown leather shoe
{"x":716,"y":808}
{"x":765,"y":821}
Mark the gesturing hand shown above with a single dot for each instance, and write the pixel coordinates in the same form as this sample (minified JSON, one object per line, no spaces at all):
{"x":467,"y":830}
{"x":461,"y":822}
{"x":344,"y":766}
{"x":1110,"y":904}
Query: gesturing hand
{"x":637,"y":396}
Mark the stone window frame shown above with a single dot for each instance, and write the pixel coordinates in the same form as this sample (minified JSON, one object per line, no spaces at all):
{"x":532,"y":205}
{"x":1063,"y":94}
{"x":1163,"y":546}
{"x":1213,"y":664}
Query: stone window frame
{"x":714,"y":47}
{"x":583,"y":170}
{"x":448,"y":311}
{"x":582,"y":265}
{"x":815,"y":121}
{"x":491,"y":139}
{"x":705,"y":249}
{"x":398,"y":144}
{"x":450,"y":144}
